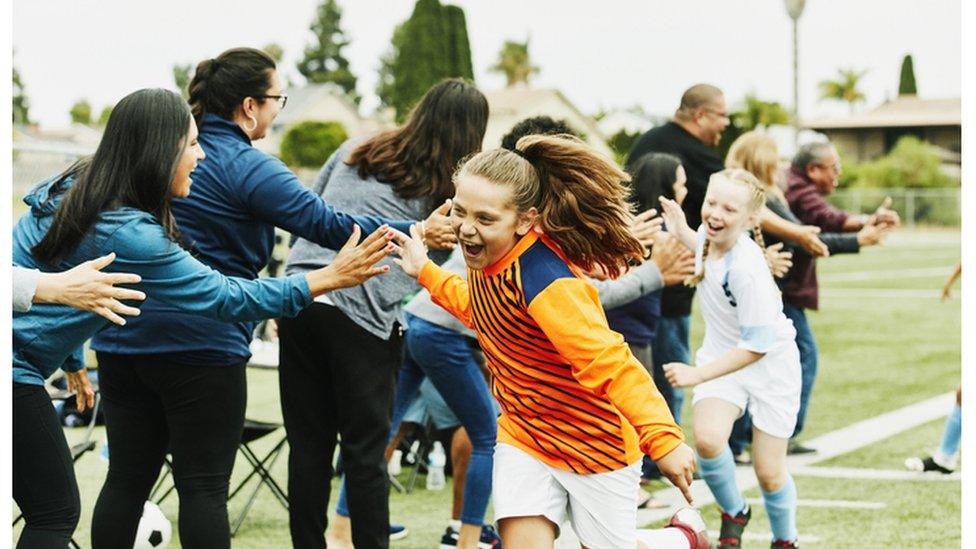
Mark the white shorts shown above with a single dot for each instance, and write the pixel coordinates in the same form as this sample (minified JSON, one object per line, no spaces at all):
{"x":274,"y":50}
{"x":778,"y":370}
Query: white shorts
{"x":600,"y":507}
{"x":770,"y":388}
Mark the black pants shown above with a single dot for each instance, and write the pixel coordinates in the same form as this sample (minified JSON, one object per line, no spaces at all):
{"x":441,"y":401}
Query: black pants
{"x":196,"y":413}
{"x":336,"y":379}
{"x":44,"y":484}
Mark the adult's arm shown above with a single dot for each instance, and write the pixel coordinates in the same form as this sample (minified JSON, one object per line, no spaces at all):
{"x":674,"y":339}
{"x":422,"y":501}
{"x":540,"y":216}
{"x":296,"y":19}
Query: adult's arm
{"x":811,"y":209}
{"x":639,"y":281}
{"x":170,"y":274}
{"x":275,"y":195}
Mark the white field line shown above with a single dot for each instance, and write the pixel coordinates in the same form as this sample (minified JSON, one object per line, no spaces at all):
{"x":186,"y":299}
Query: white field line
{"x":857,"y":473}
{"x":835,"y":443}
{"x":829,"y":503}
{"x":883,"y":293}
{"x":887,"y":274}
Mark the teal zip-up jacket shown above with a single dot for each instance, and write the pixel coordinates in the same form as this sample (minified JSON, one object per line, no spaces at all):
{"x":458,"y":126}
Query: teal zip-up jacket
{"x":51,"y":336}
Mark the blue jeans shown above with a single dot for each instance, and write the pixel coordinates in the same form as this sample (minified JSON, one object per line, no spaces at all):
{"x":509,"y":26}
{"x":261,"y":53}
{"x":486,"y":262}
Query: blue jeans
{"x":445,"y":357}
{"x":670,"y":345}
{"x":808,"y":359}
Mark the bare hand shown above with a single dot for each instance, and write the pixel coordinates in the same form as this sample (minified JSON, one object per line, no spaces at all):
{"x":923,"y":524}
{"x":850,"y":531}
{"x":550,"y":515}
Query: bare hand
{"x":675,"y":262}
{"x":884,"y":215}
{"x":413,"y":253}
{"x":779,"y":261}
{"x":674,"y":216}
{"x":438,"y":231}
{"x":85,"y":287}
{"x":354,"y":264}
{"x":645,"y":225}
{"x":679,"y":465}
{"x":872,"y":233}
{"x":810,"y":242}
{"x":79,"y":384}
{"x":680,"y":374}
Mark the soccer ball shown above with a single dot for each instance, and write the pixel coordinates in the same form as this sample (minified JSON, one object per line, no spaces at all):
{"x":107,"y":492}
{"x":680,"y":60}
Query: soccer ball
{"x":154,"y":528}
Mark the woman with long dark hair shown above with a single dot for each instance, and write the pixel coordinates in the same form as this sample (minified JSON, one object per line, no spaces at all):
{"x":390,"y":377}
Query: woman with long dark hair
{"x":197,"y":367}
{"x":339,"y":359}
{"x":119,"y":200}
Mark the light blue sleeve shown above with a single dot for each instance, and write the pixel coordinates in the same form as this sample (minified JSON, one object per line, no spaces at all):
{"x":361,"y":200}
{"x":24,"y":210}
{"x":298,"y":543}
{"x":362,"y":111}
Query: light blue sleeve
{"x":171,"y":275}
{"x":759,"y":306}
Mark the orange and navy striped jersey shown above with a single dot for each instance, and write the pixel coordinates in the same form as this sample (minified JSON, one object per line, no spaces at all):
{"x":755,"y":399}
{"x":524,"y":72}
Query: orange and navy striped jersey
{"x":571,"y":392}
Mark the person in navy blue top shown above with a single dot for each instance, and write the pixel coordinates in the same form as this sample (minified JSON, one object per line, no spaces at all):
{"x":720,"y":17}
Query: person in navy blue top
{"x":119,"y":200}
{"x":171,"y":379}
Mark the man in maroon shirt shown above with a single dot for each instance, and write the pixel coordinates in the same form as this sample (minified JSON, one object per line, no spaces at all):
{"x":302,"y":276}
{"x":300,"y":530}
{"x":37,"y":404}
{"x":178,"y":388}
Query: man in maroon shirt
{"x":812,"y":176}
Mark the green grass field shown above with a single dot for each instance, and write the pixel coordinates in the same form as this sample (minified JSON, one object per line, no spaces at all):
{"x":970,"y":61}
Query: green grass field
{"x":889,"y":348}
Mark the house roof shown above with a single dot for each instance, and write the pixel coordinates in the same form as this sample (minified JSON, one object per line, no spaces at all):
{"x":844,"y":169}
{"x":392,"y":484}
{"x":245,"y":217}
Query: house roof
{"x":301,"y":98}
{"x":516,"y":100}
{"x":906,"y":111}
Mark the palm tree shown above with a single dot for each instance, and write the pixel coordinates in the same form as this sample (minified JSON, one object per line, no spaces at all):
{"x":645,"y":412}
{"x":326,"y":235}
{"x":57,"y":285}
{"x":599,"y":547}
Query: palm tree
{"x":513,"y":61}
{"x":844,"y":88}
{"x":756,"y":113}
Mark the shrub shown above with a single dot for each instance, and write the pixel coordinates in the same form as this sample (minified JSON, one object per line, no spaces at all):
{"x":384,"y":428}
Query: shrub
{"x":309,"y":144}
{"x":911,"y":163}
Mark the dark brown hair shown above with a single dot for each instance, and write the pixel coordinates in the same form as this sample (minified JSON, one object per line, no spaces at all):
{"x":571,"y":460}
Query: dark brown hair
{"x":219,"y":85}
{"x":578,"y":192}
{"x":419,"y":157}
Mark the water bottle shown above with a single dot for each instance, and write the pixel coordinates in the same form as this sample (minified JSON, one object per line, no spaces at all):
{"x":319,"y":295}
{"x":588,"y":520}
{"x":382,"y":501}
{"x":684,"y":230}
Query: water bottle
{"x":436,"y":461}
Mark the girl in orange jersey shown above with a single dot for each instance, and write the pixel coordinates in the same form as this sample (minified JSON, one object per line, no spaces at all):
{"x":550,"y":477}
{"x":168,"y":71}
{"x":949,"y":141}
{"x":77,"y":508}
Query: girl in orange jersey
{"x":578,"y":410}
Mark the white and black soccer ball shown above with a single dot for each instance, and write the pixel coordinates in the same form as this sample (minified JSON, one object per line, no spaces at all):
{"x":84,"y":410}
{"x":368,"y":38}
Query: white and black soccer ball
{"x":154,"y":531}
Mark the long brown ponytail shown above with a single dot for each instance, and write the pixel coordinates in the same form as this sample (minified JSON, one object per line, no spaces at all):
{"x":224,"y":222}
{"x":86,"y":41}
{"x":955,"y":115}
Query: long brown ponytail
{"x":579,"y":194}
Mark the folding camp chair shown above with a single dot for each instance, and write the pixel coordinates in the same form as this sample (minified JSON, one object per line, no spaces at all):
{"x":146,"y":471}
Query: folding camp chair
{"x":260,"y":467}
{"x":79,"y":449}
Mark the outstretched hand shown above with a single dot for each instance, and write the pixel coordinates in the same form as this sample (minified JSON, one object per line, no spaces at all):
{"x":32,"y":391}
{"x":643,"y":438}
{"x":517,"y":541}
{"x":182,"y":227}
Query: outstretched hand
{"x":437,"y":231}
{"x":810,"y":241}
{"x":674,"y":216}
{"x":675,"y":262}
{"x":679,"y":466}
{"x":680,"y":374}
{"x":779,"y":261}
{"x":87,"y":288}
{"x":645,"y":225}
{"x":355,"y":263}
{"x":411,"y":249}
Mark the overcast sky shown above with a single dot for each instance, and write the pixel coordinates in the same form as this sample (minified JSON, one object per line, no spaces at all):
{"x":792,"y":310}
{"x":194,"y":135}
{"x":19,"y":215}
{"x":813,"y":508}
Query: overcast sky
{"x":612,"y":53}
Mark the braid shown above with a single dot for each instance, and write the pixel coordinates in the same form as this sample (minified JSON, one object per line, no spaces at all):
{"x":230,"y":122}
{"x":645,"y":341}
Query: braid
{"x":758,"y":237}
{"x":696,"y":278}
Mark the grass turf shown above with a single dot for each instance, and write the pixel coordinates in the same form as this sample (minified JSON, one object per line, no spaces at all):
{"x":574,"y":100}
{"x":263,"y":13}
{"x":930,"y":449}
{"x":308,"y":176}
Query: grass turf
{"x":876,"y":355}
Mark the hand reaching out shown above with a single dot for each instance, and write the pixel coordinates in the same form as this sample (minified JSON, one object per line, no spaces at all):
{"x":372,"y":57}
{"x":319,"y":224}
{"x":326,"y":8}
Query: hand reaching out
{"x":438,"y":233}
{"x":645,"y":225}
{"x":680,"y":374}
{"x":674,"y":216}
{"x":675,"y":262}
{"x":810,"y":242}
{"x":413,"y":253}
{"x":87,"y":288}
{"x":355,"y":263}
{"x":779,"y":261}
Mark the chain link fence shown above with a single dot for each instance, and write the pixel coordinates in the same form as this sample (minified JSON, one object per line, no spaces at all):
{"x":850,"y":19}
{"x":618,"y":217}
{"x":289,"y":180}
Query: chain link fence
{"x":925,"y":207}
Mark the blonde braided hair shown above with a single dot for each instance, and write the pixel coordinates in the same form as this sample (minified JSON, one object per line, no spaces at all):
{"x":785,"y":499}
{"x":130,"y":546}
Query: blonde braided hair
{"x":757,"y":198}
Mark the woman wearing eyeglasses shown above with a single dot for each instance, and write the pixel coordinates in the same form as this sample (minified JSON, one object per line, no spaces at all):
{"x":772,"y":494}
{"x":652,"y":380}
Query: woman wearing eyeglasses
{"x":197,"y":396}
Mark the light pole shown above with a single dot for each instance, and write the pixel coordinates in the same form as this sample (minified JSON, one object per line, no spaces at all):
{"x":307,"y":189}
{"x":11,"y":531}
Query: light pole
{"x":795,"y":9}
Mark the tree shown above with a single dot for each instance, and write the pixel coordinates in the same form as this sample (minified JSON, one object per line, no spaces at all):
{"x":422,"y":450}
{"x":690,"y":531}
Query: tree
{"x":513,"y":62}
{"x":426,"y":48}
{"x":81,"y":112}
{"x":275,"y":51}
{"x":906,"y":81}
{"x":181,"y":77}
{"x":323,"y":60}
{"x":844,"y":88}
{"x":103,"y":117}
{"x":756,"y":113}
{"x":20,"y":105}
{"x":309,"y":144}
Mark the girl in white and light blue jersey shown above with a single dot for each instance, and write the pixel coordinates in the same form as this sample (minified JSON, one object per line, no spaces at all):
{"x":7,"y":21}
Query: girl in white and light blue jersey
{"x":748,"y":360}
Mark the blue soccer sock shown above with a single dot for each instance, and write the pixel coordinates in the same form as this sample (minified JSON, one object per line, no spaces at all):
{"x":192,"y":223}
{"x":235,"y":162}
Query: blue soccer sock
{"x":781,"y":509}
{"x":950,"y":439}
{"x":719,"y":474}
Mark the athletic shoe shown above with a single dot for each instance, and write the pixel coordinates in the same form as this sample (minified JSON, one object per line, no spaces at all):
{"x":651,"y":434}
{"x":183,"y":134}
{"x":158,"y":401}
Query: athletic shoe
{"x":925,"y":465}
{"x":784,"y":543}
{"x":689,"y":521}
{"x":742,"y":459}
{"x":398,"y":531}
{"x":489,"y":538}
{"x":730,"y":536}
{"x":795,"y":448}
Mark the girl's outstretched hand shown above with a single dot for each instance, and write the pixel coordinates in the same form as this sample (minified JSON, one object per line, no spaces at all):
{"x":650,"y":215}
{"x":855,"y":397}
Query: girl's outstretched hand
{"x":411,"y":249}
{"x":674,"y":217}
{"x":779,"y":261}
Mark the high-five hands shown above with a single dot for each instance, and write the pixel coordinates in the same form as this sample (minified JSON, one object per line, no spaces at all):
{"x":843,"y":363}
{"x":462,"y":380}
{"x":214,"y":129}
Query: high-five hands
{"x":411,"y":249}
{"x":438,"y":233}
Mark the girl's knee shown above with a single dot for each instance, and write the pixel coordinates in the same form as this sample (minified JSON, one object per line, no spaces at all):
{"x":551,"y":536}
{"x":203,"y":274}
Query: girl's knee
{"x":709,"y":444}
{"x":770,"y":479}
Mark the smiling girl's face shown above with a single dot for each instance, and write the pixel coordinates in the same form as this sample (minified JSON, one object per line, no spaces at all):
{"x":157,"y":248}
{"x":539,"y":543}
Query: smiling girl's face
{"x":725,"y":212}
{"x":485,"y":220}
